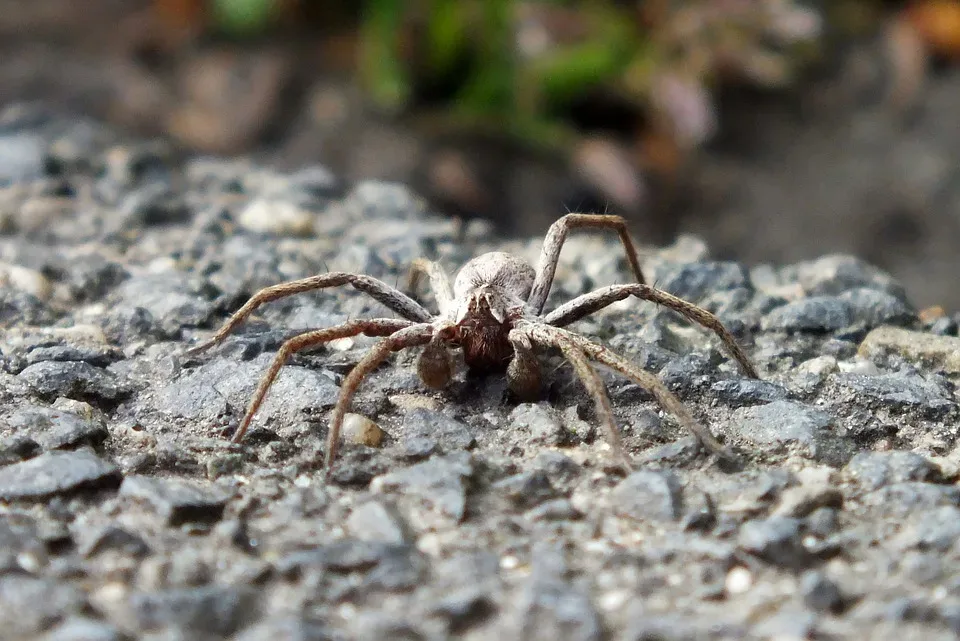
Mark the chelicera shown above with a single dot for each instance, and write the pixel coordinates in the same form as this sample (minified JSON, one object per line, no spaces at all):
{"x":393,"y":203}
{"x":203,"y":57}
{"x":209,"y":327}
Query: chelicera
{"x":493,"y":314}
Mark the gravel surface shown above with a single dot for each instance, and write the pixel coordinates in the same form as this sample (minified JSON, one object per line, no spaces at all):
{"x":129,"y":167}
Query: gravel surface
{"x":126,"y":514}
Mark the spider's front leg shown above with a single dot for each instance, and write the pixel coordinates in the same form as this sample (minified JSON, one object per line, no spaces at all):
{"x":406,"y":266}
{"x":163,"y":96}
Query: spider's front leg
{"x":307,"y":340}
{"x":386,"y":295}
{"x":411,"y":336}
{"x":553,"y":242}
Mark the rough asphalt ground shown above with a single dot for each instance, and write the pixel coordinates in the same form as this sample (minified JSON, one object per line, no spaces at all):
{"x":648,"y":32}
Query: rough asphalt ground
{"x":126,"y":514}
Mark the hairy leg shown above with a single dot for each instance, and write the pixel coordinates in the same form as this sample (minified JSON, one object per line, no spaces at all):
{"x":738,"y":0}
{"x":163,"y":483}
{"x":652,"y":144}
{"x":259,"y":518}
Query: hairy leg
{"x":583,"y":306}
{"x":664,"y":396}
{"x":439,"y":282}
{"x":411,"y":336}
{"x":553,"y":241}
{"x":523,"y":372}
{"x":378,"y":290}
{"x":551,"y":337}
{"x":373,"y":327}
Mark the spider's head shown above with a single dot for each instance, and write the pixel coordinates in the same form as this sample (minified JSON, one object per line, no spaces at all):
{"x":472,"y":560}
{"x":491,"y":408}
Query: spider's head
{"x":484,"y":303}
{"x":493,"y":286}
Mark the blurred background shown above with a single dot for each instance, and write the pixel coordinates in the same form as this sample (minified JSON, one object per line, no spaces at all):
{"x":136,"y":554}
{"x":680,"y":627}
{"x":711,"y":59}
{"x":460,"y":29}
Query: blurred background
{"x":776,"y":129}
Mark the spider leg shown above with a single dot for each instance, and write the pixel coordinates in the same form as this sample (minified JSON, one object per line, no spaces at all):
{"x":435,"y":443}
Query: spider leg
{"x":378,"y":290}
{"x":373,"y":327}
{"x":664,"y":396}
{"x":553,"y":241}
{"x":587,"y":304}
{"x":523,"y":372}
{"x":439,"y":282}
{"x":410,"y":336}
{"x":550,"y":337}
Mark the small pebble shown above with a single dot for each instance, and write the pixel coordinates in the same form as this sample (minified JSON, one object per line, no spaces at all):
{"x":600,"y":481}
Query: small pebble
{"x":942,"y":352}
{"x":274,"y":216}
{"x":25,"y":280}
{"x":739,"y":580}
{"x":360,"y":430}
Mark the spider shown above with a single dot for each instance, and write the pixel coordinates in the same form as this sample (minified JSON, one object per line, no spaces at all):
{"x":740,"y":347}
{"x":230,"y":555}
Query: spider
{"x":494,"y":314}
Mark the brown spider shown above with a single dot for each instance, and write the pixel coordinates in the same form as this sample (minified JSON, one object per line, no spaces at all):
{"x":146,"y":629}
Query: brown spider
{"x":493,"y":314}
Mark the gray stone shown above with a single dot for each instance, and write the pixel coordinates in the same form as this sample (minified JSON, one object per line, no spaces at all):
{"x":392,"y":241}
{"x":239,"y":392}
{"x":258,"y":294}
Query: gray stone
{"x":820,"y":594}
{"x":19,"y":541}
{"x":776,"y":540}
{"x":554,"y":510}
{"x":527,"y":489}
{"x":936,"y":529}
{"x":745,"y":391}
{"x":83,"y":629}
{"x":177,"y":500}
{"x":464,"y":608}
{"x":672,"y":627}
{"x":32,"y":605}
{"x":111,"y":538}
{"x":787,"y":622}
{"x":152,"y":204}
{"x":387,"y":566}
{"x":17,"y":447}
{"x":539,"y":423}
{"x":839,"y":273}
{"x":211,"y":610}
{"x":898,"y":391}
{"x":418,"y":448}
{"x":873,"y":470}
{"x":74,"y":379}
{"x":20,"y":307}
{"x":206,"y":393}
{"x":801,"y":500}
{"x":53,"y":429}
{"x":448,"y":432}
{"x":814,"y":314}
{"x":648,"y":495}
{"x":694,"y":281}
{"x":56,"y":473}
{"x":941,"y":352}
{"x":792,"y":425}
{"x":438,"y":486}
{"x":687,"y":373}
{"x":170,"y":297}
{"x":699,"y":511}
{"x":99,"y":355}
{"x":911,"y":498}
{"x":22,"y":158}
{"x":346,"y":555}
{"x":378,"y":521}
{"x":823,"y":522}
{"x":287,"y":629}
{"x":562,"y":470}
{"x":874,"y":307}
{"x":550,"y":608}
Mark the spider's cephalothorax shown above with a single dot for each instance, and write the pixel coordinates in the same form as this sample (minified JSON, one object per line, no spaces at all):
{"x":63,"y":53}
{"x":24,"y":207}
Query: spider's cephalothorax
{"x":494,"y":315}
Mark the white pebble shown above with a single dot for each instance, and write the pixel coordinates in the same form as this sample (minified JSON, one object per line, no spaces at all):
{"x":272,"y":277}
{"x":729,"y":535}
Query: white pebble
{"x":276,"y":216}
{"x":360,"y":430}
{"x":738,"y":581}
{"x":25,"y":280}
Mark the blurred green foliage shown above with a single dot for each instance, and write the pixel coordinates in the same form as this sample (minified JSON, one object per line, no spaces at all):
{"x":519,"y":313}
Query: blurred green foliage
{"x":516,"y":66}
{"x":519,"y":63}
{"x":242,"y":17}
